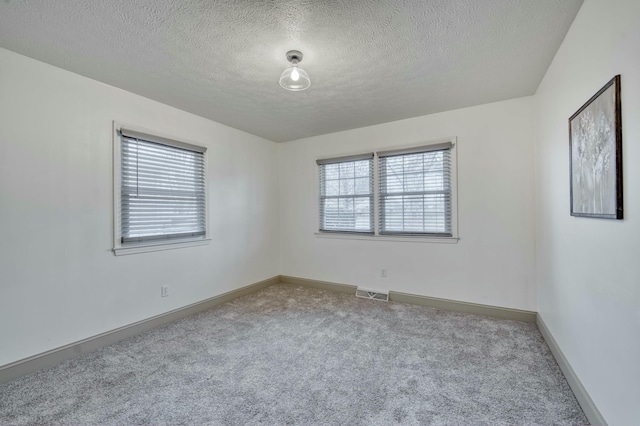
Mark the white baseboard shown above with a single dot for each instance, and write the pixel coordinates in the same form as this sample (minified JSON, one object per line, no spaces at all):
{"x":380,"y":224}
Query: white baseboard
{"x":414,"y":299}
{"x":324,"y":285}
{"x":50,"y":358}
{"x":583,"y":397}
{"x":466,"y":307}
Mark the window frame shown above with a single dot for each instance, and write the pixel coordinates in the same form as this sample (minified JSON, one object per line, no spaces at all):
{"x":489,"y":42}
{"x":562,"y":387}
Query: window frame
{"x":385,"y":193}
{"x":371,"y":196}
{"x":153,"y":245}
{"x":416,"y":238}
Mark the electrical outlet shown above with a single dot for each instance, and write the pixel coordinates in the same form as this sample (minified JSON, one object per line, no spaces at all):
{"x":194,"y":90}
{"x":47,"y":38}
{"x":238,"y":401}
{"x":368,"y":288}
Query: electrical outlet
{"x":164,"y":291}
{"x":383,"y":273}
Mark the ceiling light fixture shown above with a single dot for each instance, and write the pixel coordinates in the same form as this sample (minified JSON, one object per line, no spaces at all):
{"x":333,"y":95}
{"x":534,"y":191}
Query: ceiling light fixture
{"x":294,"y":78}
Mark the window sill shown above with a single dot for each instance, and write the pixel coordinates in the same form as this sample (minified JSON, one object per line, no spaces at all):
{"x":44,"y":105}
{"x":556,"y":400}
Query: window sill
{"x":144,"y":248}
{"x":393,"y":238}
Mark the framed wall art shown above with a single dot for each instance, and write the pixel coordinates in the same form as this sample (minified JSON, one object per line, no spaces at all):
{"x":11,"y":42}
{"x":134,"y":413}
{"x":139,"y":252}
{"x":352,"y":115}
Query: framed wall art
{"x":595,"y":155}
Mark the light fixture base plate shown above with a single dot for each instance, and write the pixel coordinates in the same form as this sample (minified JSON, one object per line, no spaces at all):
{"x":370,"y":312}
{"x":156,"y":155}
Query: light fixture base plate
{"x":294,"y":55}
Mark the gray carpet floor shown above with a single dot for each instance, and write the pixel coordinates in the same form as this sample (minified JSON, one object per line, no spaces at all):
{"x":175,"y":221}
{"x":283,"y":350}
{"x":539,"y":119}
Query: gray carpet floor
{"x":295,"y":355}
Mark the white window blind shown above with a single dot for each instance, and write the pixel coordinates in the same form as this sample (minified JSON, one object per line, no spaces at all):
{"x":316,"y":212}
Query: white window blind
{"x":415,"y":191}
{"x":162,"y":191}
{"x":346,"y":194}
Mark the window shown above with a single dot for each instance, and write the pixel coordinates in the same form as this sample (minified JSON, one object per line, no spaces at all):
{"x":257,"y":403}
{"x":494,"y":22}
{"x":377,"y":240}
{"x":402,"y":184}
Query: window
{"x":414,"y":192}
{"x":346,"y":194}
{"x":162,"y":196}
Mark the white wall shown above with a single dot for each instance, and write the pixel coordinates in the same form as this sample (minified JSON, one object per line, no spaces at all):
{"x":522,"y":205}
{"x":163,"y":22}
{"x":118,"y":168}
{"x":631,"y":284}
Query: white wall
{"x":588,"y":270}
{"x":493,"y":263}
{"x":59,"y":281}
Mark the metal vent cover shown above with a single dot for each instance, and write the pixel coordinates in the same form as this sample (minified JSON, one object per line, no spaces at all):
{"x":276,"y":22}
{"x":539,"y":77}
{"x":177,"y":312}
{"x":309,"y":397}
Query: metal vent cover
{"x":367,"y":293}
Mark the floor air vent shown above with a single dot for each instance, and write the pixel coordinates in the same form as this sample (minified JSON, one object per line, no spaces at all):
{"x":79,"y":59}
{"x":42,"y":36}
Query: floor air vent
{"x":366,"y":293}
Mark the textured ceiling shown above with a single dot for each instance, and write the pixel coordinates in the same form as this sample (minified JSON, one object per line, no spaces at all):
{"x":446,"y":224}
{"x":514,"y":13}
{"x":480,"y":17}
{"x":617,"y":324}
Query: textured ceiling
{"x":369,"y":61}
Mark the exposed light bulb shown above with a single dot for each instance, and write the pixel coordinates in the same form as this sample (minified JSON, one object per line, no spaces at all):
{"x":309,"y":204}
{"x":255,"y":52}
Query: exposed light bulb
{"x":294,"y":78}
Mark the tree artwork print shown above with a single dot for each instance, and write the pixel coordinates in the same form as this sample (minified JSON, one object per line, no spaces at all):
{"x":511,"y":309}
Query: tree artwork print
{"x":596,"y":158}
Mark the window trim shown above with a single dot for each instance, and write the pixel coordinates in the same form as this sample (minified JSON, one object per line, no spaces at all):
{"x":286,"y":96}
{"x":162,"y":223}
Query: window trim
{"x":416,"y":238}
{"x":369,"y":156}
{"x":153,"y":245}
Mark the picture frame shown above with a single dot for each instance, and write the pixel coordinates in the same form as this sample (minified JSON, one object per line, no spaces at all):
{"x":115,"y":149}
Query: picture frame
{"x":595,"y":155}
